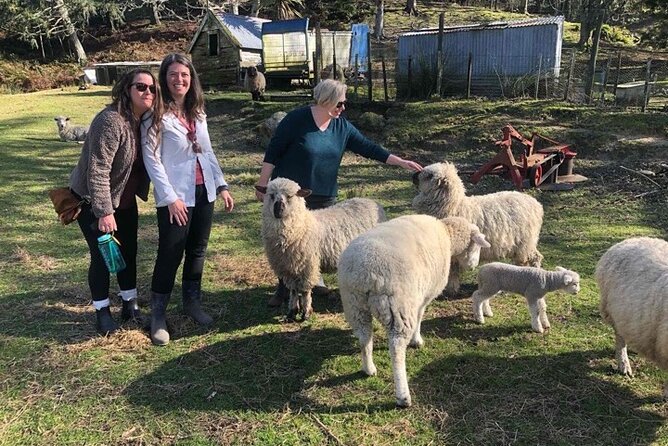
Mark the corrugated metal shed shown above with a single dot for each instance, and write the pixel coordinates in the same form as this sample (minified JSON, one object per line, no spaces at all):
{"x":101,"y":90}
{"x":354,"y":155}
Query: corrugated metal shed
{"x":501,"y":52}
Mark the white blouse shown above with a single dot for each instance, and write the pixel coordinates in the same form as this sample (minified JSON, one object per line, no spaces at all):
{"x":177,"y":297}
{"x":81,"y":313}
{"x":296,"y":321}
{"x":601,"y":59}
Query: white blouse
{"x":172,"y":167}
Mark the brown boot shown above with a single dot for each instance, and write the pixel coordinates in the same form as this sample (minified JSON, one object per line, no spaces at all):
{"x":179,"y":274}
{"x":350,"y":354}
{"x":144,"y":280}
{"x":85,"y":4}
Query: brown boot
{"x":282,"y":294}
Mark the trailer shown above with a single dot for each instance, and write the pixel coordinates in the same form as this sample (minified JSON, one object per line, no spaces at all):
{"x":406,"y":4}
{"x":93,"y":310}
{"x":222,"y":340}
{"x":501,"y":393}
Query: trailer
{"x":288,"y":49}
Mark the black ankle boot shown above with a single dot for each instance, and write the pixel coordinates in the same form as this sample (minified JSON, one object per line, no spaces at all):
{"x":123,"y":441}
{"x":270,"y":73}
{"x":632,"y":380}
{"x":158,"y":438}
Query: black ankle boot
{"x":104,"y":322}
{"x":192,"y":297}
{"x":159,"y":333}
{"x":131,"y":310}
{"x":281,"y":295}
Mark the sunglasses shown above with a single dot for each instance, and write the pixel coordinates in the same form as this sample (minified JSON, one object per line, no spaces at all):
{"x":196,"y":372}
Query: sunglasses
{"x":341,"y":104}
{"x":141,"y":87}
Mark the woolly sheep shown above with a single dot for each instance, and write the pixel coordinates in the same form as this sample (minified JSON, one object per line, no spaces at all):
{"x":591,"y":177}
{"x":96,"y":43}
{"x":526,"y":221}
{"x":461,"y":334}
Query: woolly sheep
{"x":266,"y":128}
{"x":633,"y":280}
{"x":329,"y":73}
{"x":532,"y":283}
{"x":255,"y":83}
{"x":300,"y":243}
{"x":393,"y":272}
{"x":70,"y":132}
{"x":510,"y":220}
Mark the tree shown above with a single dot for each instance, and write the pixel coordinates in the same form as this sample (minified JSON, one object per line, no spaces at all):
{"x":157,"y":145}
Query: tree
{"x":411,"y":7}
{"x":380,"y":20}
{"x":63,"y":14}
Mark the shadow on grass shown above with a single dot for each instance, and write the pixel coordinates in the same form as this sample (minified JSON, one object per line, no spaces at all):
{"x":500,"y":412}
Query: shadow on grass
{"x":552,"y":399}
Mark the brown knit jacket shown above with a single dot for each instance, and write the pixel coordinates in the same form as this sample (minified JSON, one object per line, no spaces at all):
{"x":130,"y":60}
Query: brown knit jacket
{"x":105,"y":163}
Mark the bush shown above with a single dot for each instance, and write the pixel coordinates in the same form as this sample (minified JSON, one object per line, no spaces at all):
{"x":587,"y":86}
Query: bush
{"x":617,"y":34}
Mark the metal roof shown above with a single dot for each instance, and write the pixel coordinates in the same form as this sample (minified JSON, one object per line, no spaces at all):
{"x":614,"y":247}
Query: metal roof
{"x":556,"y":20}
{"x":285,"y":26}
{"x":245,"y":32}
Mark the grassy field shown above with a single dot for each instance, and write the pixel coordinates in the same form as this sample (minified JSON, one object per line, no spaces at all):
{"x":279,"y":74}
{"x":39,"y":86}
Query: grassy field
{"x":254,"y":378}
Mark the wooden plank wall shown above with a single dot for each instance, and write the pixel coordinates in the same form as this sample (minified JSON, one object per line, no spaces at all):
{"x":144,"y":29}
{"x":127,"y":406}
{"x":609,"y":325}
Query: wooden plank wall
{"x":219,"y":70}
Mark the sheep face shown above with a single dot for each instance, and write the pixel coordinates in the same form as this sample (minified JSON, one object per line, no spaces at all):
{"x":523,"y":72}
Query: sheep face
{"x":571,"y":280}
{"x":251,"y":71}
{"x":435,"y":177}
{"x":61,"y":122}
{"x":470,"y":258}
{"x":280,"y":195}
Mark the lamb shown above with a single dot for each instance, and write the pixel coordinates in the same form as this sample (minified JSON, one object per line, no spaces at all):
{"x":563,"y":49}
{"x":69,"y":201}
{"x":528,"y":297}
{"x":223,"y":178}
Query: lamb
{"x":393,"y":272}
{"x":510,"y":220}
{"x":532,"y":283}
{"x":255,"y":83}
{"x":329,"y":73}
{"x":300,"y":243}
{"x":633,"y":280}
{"x":69,"y":132}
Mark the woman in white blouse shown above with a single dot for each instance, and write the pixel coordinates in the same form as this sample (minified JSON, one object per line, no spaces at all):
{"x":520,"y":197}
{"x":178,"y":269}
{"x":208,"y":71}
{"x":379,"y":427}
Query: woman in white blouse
{"x":186,"y":180}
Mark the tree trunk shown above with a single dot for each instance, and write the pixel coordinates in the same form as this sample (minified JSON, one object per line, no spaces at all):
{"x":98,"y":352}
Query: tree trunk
{"x":526,"y":6}
{"x":235,"y":7}
{"x":411,"y":7}
{"x":70,"y":31}
{"x":255,"y":8}
{"x":156,"y":12}
{"x":380,"y":19}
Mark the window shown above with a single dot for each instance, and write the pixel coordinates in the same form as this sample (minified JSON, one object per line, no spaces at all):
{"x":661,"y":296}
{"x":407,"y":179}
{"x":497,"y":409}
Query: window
{"x":213,"y":44}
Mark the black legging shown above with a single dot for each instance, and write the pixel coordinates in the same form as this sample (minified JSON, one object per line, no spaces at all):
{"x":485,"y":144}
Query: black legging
{"x":98,"y":274}
{"x":192,"y":238}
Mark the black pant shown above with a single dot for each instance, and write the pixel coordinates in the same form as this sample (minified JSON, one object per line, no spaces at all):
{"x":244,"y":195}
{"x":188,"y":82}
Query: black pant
{"x":98,"y":274}
{"x":313,"y":202}
{"x":192,"y":238}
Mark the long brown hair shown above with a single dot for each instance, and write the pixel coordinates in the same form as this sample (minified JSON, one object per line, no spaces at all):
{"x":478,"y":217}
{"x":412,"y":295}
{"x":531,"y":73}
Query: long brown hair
{"x":194,"y":101}
{"x":121,"y":100}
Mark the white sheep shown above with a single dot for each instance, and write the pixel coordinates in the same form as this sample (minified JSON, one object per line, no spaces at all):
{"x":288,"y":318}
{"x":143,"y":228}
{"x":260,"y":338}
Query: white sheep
{"x":393,"y":272}
{"x":68,"y":132}
{"x":266,"y":128}
{"x":255,"y":83}
{"x":633,"y":280}
{"x":532,"y":283}
{"x":511,"y":220}
{"x":300,"y":243}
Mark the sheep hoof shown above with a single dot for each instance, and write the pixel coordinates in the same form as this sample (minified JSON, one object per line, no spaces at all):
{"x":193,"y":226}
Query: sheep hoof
{"x":626,"y":370}
{"x":416,"y":343}
{"x":370,"y":371}
{"x":403,"y":403}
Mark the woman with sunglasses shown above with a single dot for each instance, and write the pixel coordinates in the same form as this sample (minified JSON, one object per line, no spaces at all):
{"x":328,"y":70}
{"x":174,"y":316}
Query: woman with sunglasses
{"x":108,"y":176}
{"x":186,"y":180}
{"x":308,"y":147}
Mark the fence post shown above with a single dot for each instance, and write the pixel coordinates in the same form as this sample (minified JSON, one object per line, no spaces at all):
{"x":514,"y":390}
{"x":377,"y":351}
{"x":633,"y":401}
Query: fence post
{"x":589,"y":90}
{"x":410,"y":76}
{"x":316,"y":67}
{"x":439,"y":54}
{"x":334,"y":74}
{"x":357,"y":74}
{"x":382,"y":62}
{"x":647,"y":79}
{"x":540,"y":66}
{"x":368,"y":50}
{"x":570,"y":76}
{"x":619,"y":70}
{"x":318,"y":51}
{"x":469,"y":76}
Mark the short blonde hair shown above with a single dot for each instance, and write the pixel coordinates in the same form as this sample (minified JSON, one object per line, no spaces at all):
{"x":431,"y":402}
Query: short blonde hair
{"x":329,"y":92}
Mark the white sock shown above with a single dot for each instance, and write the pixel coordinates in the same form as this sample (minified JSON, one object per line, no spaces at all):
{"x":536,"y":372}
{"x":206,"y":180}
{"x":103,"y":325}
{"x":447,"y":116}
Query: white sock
{"x":127,"y":295}
{"x":100,"y":304}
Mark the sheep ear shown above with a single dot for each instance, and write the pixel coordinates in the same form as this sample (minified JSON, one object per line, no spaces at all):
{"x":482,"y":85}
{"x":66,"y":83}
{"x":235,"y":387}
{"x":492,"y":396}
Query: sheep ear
{"x":67,"y":119}
{"x":303,"y":193}
{"x":261,"y":189}
{"x":479,"y":239}
{"x":568,"y":279}
{"x":559,"y":268}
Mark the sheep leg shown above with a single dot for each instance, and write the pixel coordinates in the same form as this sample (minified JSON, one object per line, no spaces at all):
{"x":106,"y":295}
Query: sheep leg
{"x":306,"y":307}
{"x":534,"y":311}
{"x":479,"y":300}
{"x":416,"y":339}
{"x":623,"y":363}
{"x":452,"y":288}
{"x":293,"y":305}
{"x":398,"y":355}
{"x":536,"y":259}
{"x":364,"y":331}
{"x":486,"y":308}
{"x":542,"y":308}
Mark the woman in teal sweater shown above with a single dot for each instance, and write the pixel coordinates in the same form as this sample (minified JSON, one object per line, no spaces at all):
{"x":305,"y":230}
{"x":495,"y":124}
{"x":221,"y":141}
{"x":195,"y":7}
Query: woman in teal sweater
{"x":308,"y":147}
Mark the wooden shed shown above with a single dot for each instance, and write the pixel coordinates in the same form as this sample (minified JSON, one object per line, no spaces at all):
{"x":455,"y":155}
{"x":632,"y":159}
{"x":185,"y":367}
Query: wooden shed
{"x":223,"y":45}
{"x":500,"y":54}
{"x":109,"y":72}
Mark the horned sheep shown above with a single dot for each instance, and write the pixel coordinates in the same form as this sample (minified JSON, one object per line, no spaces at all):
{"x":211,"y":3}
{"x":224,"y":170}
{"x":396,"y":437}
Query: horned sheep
{"x":69,"y":132}
{"x":632,"y":277}
{"x":532,"y":283}
{"x":300,"y":243}
{"x":255,"y":83}
{"x":511,"y":220}
{"x":393,"y":272}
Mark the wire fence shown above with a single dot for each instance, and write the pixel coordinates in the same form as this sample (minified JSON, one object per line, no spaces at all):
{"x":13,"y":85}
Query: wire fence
{"x":620,"y":78}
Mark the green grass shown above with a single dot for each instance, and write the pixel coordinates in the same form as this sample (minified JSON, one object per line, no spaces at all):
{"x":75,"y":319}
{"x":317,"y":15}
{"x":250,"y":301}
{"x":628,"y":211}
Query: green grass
{"x":254,"y":379}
